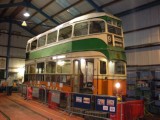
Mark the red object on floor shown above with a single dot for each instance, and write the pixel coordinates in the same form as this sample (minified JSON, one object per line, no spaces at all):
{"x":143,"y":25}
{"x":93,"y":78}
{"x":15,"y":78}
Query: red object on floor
{"x":130,"y":110}
{"x":51,"y":104}
{"x":29,"y":91}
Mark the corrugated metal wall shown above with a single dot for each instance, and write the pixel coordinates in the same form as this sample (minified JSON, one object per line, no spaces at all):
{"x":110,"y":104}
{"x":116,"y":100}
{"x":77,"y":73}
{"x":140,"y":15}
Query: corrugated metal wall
{"x":17,"y":46}
{"x":142,"y":28}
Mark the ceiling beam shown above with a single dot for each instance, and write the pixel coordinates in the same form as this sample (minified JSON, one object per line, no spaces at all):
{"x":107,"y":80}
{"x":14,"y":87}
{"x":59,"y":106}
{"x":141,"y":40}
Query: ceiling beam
{"x":94,"y":5}
{"x":43,"y":13}
{"x":12,"y":5}
{"x":6,"y":9}
{"x":58,"y":13}
{"x":110,"y":3}
{"x":46,"y":5}
{"x":139,"y":8}
{"x":18,"y":10}
{"x":19,"y":24}
{"x":28,"y":4}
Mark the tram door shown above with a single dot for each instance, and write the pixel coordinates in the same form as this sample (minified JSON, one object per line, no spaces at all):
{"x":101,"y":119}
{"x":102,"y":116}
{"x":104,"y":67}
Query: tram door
{"x":89,"y":73}
{"x":83,"y":75}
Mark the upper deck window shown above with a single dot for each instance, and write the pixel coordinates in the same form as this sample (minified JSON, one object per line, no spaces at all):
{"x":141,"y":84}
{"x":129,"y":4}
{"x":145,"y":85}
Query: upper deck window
{"x":42,"y":41}
{"x":65,"y":33}
{"x":52,"y":37}
{"x":81,"y":29}
{"x":97,"y":27}
{"x":34,"y":45}
{"x":114,"y":30}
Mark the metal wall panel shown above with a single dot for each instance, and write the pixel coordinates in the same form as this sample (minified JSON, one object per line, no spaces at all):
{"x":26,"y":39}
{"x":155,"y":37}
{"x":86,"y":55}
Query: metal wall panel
{"x":87,"y":7}
{"x":146,"y":56}
{"x":124,"y":5}
{"x":18,"y":41}
{"x":3,"y":51}
{"x":52,"y":9}
{"x":151,"y":35}
{"x":15,"y":62}
{"x":3,"y":39}
{"x":18,"y":53}
{"x":141,"y":19}
{"x":40,"y":3}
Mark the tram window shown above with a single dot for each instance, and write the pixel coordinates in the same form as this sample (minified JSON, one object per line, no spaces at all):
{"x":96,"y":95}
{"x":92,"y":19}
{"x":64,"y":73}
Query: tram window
{"x":34,"y":45}
{"x":114,"y":30}
{"x":102,"y":67}
{"x":81,"y":29}
{"x":52,"y":37}
{"x":32,"y":68}
{"x":119,"y":68}
{"x":97,"y":27}
{"x":64,"y":66}
{"x":40,"y":67}
{"x":65,"y":33}
{"x":51,"y":67}
{"x":42,"y":41}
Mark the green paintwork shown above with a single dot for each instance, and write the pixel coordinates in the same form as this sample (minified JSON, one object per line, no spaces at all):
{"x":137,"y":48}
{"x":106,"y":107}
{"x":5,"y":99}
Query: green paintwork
{"x":92,"y":44}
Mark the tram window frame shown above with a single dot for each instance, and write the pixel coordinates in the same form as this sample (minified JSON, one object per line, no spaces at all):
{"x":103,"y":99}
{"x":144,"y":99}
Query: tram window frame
{"x":32,"y":67}
{"x":41,"y":41}
{"x":114,"y":30}
{"x":96,"y":26}
{"x":80,"y":30}
{"x":42,"y":66}
{"x":53,"y":68}
{"x":104,"y":70}
{"x":55,"y":33}
{"x":60,"y":69}
{"x":28,"y":47}
{"x":63,"y":36}
{"x":113,"y":68}
{"x":26,"y":69}
{"x":34,"y":46}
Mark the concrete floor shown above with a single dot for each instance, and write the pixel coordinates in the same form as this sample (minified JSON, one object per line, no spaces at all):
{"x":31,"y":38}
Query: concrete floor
{"x":16,"y":108}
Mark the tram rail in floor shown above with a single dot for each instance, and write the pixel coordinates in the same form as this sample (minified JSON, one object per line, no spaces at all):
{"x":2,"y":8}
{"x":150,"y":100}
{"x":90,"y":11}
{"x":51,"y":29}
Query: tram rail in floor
{"x":16,"y":108}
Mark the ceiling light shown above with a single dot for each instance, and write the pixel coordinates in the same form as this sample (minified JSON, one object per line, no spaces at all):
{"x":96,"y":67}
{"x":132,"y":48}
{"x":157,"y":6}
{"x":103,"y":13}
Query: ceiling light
{"x":24,"y":23}
{"x":26,"y":14}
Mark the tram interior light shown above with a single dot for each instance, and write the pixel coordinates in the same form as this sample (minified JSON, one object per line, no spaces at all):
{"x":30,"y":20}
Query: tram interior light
{"x":60,"y":63}
{"x":117,"y":85}
{"x":82,"y":60}
{"x":58,"y":57}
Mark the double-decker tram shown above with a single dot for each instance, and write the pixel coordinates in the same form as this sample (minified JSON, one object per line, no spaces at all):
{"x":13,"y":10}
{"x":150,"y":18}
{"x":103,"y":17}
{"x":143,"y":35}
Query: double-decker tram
{"x":83,"y":55}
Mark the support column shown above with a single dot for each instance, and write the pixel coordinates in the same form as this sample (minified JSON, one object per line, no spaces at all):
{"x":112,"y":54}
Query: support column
{"x":8,"y":48}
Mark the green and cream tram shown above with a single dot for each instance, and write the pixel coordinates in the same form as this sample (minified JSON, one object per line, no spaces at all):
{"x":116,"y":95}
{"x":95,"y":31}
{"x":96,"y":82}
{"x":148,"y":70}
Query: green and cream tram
{"x":83,"y":55}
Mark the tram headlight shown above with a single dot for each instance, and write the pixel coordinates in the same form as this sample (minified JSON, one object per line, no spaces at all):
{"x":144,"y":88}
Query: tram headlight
{"x":117,"y":85}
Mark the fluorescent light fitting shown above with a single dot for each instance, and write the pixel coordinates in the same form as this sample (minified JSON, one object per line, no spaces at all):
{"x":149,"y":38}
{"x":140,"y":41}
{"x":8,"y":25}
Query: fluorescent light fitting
{"x":26,"y":14}
{"x":24,"y":23}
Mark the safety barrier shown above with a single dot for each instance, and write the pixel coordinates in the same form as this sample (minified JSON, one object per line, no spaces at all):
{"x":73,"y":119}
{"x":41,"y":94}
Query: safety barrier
{"x":129,"y":110}
{"x":43,"y":94}
{"x":97,"y":107}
